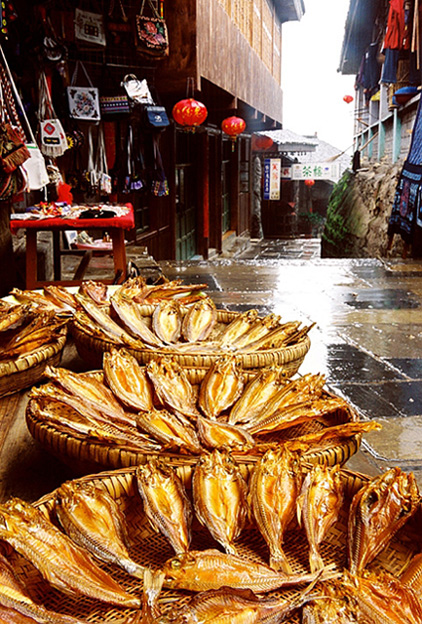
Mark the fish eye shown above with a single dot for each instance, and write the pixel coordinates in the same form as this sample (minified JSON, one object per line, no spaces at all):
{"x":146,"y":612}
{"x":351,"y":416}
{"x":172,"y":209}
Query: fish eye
{"x":176,"y":564}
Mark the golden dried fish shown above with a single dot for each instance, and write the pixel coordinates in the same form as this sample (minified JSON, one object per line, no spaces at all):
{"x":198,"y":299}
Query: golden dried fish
{"x":167,"y":321}
{"x":166,"y":504}
{"x":383,"y":599}
{"x":34,"y":298}
{"x":221,"y":387}
{"x":378,"y":510}
{"x":95,"y":330}
{"x":153,"y":583}
{"x":171,"y":290}
{"x":131,"y":287}
{"x":276,"y":338}
{"x":332,"y":607}
{"x":238,"y":606}
{"x":260,"y":328}
{"x":61,"y":297}
{"x":412,"y":575}
{"x":97,"y":291}
{"x":220,"y":435}
{"x":13,"y":316}
{"x":94,"y":521}
{"x":174,"y":431}
{"x":220,"y":498}
{"x":199,"y":321}
{"x":256,"y":394}
{"x":128,"y":379}
{"x":64,"y":565}
{"x":172,"y":386}
{"x":319,"y":505}
{"x":101,"y":316}
{"x":200,"y":570}
{"x":93,"y":392}
{"x":129,"y":315}
{"x":274,"y":488}
{"x":18,"y":608}
{"x":331,"y":436}
{"x":239,"y":326}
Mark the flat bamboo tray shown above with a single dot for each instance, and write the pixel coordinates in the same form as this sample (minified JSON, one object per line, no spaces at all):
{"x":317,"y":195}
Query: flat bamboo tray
{"x":151,"y":549}
{"x":24,"y":372}
{"x":85,"y":456}
{"x":91,"y":349}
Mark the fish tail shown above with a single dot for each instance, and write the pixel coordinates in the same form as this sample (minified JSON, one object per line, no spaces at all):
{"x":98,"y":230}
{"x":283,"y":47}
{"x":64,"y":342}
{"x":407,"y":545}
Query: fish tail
{"x":315,"y":560}
{"x":278,"y":562}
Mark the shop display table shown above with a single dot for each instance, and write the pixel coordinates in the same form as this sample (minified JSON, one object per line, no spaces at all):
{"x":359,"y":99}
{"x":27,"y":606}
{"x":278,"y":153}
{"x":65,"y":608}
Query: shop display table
{"x":115,"y":226}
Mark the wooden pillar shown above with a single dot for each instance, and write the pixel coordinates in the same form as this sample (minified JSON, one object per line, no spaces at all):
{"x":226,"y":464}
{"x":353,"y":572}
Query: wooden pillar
{"x":204,"y":196}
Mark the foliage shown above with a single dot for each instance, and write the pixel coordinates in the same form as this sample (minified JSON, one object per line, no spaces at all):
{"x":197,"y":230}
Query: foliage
{"x":338,"y":226}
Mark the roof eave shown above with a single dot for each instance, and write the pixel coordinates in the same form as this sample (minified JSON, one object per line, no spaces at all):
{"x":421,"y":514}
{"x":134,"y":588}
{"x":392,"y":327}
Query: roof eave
{"x":289,"y":10}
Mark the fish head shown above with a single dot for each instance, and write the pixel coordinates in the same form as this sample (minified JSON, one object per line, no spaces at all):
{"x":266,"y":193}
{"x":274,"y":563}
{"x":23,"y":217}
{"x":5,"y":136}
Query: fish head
{"x":180,"y":567}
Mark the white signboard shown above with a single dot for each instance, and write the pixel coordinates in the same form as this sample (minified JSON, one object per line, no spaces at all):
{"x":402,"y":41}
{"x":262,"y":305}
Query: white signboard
{"x":316,"y":171}
{"x":272,"y":171}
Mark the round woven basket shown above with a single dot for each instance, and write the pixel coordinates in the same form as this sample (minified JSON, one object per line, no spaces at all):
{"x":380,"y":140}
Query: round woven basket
{"x":24,"y":372}
{"x":85,"y":456}
{"x":151,"y":549}
{"x":91,"y":349}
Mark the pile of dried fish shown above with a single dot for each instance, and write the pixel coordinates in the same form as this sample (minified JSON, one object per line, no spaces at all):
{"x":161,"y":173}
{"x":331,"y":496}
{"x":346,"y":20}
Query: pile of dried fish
{"x":156,"y":409}
{"x":24,"y":329}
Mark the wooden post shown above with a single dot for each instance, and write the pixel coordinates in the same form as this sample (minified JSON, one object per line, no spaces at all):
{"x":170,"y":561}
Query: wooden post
{"x":204,"y":189}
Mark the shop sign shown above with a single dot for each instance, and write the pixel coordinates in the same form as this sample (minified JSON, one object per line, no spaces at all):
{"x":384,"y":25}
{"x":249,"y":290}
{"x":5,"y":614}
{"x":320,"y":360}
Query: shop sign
{"x":272,"y":171}
{"x":316,"y":171}
{"x":286,"y":173}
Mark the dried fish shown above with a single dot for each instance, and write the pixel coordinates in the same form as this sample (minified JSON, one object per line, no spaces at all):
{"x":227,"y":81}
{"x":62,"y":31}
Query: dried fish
{"x":167,"y":321}
{"x":200,"y":570}
{"x":378,"y":510}
{"x":128,"y":379}
{"x":172,"y":386}
{"x":64,"y":565}
{"x":239,"y":326}
{"x":256,"y":394}
{"x":274,"y":488}
{"x":97,"y":291}
{"x":174,"y":431}
{"x":331,"y":436}
{"x":199,"y":321}
{"x":101,"y":316}
{"x":319,"y":505}
{"x":62,"y":298}
{"x":412,"y":575}
{"x":153,"y":583}
{"x":18,"y":608}
{"x":14,"y":316}
{"x":166,"y":503}
{"x":129,"y":315}
{"x":260,"y":328}
{"x":221,"y":387}
{"x":34,"y":298}
{"x":215,"y":434}
{"x":220,"y":498}
{"x":94,"y":521}
{"x":334,"y":606}
{"x":276,"y":338}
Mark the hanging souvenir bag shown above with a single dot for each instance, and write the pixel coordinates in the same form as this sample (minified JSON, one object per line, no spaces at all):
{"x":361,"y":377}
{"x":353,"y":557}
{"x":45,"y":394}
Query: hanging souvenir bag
{"x":52,"y":136}
{"x":84,"y":102}
{"x":89,"y":27}
{"x":151,"y":32}
{"x":118,"y":26}
{"x":160,"y":187}
{"x":104,"y":179}
{"x":13,"y":151}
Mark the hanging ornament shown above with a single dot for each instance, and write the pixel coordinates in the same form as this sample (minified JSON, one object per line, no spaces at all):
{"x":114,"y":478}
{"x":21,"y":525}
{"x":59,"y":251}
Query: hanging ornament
{"x":189,"y":113}
{"x":309,"y":182}
{"x":261,"y":142}
{"x":348,"y":99}
{"x":233,"y":126}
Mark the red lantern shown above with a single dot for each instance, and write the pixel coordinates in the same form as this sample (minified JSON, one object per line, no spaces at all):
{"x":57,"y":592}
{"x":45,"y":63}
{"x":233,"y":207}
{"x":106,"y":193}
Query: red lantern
{"x":233,"y":126}
{"x":189,"y":113}
{"x":261,"y":142}
{"x":348,"y":99}
{"x":309,"y":182}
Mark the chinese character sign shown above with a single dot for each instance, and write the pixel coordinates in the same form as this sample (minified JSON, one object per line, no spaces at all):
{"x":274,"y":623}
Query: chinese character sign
{"x":316,"y":171}
{"x":272,"y":172}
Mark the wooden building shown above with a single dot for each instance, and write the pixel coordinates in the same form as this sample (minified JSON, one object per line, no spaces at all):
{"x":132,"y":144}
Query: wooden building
{"x":224,"y":53}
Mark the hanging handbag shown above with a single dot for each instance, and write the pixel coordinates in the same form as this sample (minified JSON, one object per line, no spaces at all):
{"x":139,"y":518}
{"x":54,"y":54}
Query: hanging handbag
{"x":156,"y":118}
{"x":114,"y":105}
{"x":104,"y":179}
{"x":151,"y":33}
{"x":52,"y":136}
{"x":84,"y":102}
{"x":13,"y":151}
{"x":118,"y":27}
{"x":89,"y":27}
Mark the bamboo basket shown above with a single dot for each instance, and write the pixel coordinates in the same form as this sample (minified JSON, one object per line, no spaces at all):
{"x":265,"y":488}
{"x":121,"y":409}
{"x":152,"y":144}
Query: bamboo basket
{"x":91,"y":349}
{"x":24,"y":372}
{"x":151,"y":549}
{"x":84,"y":456}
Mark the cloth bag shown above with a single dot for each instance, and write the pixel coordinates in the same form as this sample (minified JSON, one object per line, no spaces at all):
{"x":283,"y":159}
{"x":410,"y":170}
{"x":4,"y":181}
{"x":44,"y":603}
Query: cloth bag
{"x":84,"y":102}
{"x":156,"y":117}
{"x":52,"y":136}
{"x":89,"y":27}
{"x":151,"y":33}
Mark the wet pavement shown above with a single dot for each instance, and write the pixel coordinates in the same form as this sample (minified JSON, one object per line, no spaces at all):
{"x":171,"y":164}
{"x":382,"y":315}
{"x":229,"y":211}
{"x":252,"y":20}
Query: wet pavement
{"x":367,"y":338}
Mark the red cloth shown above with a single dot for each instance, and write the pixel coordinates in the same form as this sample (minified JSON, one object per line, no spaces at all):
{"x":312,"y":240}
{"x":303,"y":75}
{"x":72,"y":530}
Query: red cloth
{"x":397,"y":36}
{"x":126,"y":222}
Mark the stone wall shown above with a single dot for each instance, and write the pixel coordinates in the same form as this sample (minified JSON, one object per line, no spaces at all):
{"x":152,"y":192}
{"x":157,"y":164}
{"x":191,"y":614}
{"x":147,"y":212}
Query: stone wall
{"x":358,"y":213}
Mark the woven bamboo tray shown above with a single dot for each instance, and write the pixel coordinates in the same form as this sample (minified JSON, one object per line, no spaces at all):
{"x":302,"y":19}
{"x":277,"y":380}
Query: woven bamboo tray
{"x":85,"y":456}
{"x":150,"y":548}
{"x":91,"y":349}
{"x":24,"y":372}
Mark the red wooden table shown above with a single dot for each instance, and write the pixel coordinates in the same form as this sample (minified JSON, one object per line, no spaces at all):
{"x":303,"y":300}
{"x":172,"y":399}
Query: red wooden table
{"x":115,"y":226}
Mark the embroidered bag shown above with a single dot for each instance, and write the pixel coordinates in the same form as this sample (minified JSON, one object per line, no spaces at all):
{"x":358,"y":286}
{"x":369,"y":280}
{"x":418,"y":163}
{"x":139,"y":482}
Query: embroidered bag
{"x":13,"y":151}
{"x":51,"y":133}
{"x":89,"y":27}
{"x":151,"y":33}
{"x":84,"y":102}
{"x":114,"y":105}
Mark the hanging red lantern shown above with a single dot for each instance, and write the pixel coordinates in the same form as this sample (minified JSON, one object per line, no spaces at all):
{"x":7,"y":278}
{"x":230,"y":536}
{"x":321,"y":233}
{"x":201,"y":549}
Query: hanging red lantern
{"x":233,"y":126}
{"x":261,"y":142}
{"x":189,"y":113}
{"x":309,"y":182}
{"x":348,"y":99}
